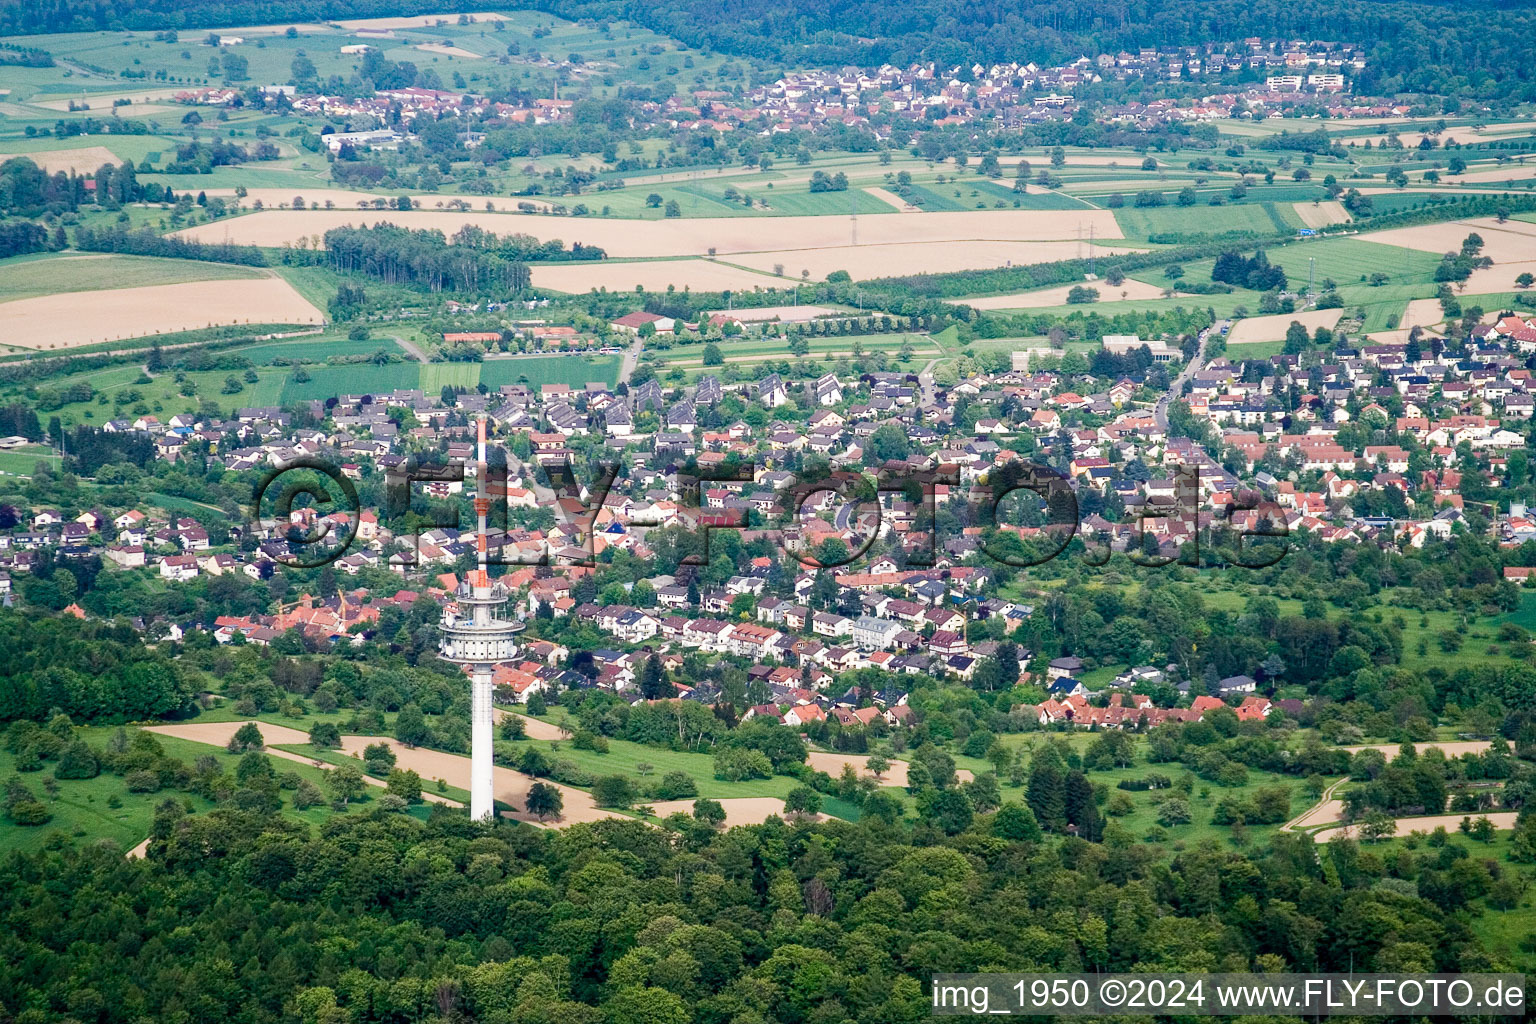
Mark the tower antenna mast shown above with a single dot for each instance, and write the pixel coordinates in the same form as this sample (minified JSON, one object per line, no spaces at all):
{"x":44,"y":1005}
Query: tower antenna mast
{"x":478,"y":638}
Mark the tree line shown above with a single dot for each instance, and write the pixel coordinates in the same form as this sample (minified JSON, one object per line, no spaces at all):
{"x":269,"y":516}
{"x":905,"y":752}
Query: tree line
{"x":426,"y":259}
{"x":145,"y":242}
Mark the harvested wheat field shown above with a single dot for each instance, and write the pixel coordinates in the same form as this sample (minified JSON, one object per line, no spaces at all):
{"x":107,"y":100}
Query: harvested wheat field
{"x":1323,"y":813}
{"x":1321,"y":215}
{"x":447,"y":51}
{"x":1469,"y":136}
{"x":220,"y":733}
{"x":1500,"y":278}
{"x":1502,"y":820}
{"x":65,"y":321}
{"x":887,"y":196}
{"x":1513,"y":172}
{"x":1126,"y":290}
{"x":1511,"y":242}
{"x":1422,"y":313}
{"x":1451,"y":748}
{"x":85,"y":160}
{"x":510,"y":787}
{"x":1398,"y":337}
{"x":1273,"y":327}
{"x":652,"y":275}
{"x":739,"y":810}
{"x":896,"y":775}
{"x":103,"y":102}
{"x":788,"y":314}
{"x":695,"y":237}
{"x":870,"y":261}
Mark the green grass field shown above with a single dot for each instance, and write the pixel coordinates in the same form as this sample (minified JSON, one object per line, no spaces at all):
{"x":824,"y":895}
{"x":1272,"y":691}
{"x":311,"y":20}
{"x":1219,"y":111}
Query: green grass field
{"x":1257,"y":218}
{"x":317,"y":347}
{"x":574,"y":370}
{"x":27,"y":276}
{"x":21,"y":461}
{"x":81,"y":808}
{"x":119,"y":393}
{"x":436,"y":376}
{"x":353,"y":379}
{"x":367,"y":378}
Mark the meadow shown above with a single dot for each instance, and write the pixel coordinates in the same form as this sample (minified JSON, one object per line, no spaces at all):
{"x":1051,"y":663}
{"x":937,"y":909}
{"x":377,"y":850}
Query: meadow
{"x":25,"y":277}
{"x":82,"y":808}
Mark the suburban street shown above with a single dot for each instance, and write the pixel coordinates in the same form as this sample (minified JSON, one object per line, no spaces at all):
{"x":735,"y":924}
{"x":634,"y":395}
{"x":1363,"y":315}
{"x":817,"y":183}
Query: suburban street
{"x":1160,"y":410}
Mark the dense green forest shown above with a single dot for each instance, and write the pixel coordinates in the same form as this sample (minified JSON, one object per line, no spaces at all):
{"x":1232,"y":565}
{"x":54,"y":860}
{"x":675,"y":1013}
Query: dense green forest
{"x":1455,"y":48}
{"x":241,"y":916}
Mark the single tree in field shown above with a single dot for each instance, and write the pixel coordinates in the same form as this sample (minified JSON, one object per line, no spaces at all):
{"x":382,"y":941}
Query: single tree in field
{"x":346,"y":782}
{"x":247,"y":737}
{"x":1482,"y":830}
{"x":878,"y":765}
{"x":1378,"y":825}
{"x":802,"y":800}
{"x":710,"y":812}
{"x":613,"y":791}
{"x":544,"y":801}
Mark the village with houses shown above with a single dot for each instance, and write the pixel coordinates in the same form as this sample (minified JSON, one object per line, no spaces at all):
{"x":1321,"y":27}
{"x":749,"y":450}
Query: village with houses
{"x":1374,"y":447}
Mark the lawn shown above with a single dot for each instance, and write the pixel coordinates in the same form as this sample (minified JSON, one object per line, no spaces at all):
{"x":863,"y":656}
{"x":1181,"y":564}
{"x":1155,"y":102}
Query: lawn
{"x":21,"y":461}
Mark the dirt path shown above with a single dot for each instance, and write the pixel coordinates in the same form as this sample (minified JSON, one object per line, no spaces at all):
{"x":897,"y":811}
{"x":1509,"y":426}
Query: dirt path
{"x":1325,"y":810}
{"x":409,"y":347}
{"x":1502,"y":820}
{"x":138,"y":851}
{"x":887,"y":196}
